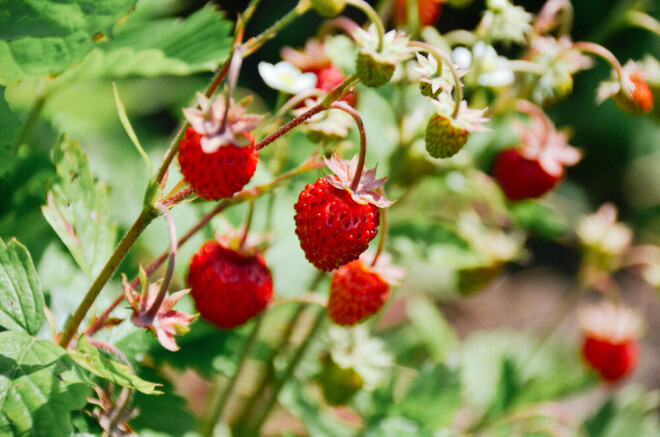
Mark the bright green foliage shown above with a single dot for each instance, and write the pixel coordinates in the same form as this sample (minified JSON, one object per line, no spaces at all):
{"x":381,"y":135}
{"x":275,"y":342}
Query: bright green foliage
{"x":21,"y":299}
{"x":632,"y":412}
{"x":9,"y":125}
{"x":39,"y":37}
{"x":77,"y":209}
{"x":39,"y":386}
{"x":91,"y":359}
{"x":432,"y":327}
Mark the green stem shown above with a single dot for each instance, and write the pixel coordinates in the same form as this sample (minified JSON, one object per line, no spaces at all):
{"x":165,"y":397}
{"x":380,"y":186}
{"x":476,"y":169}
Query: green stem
{"x":254,"y":43}
{"x":209,"y":424}
{"x":643,"y":21}
{"x":598,"y":50}
{"x":146,"y":216}
{"x":383,"y":230}
{"x":373,"y":17}
{"x":248,"y":222}
{"x":442,"y":57}
{"x":33,"y":116}
{"x":293,"y":364}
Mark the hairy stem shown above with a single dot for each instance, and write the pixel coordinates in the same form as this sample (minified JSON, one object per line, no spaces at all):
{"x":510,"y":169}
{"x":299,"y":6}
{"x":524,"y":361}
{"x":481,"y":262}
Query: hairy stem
{"x":363,"y":141}
{"x":210,"y":422}
{"x":147,"y":215}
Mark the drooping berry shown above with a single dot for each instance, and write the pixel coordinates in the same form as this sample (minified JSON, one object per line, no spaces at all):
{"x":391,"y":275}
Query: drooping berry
{"x":329,"y":8}
{"x":219,"y":174}
{"x":610,"y":344}
{"x":214,"y":157}
{"x":530,"y":171}
{"x":359,"y":289}
{"x":335,"y":224}
{"x":372,"y":70}
{"x":638,"y":99}
{"x":376,"y":62}
{"x":229,"y":286}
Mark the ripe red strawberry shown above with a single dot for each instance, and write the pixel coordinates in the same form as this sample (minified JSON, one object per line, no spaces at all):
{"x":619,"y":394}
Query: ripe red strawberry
{"x":359,"y":289}
{"x":219,"y":174}
{"x":333,"y":223}
{"x":229,"y":286}
{"x":610,"y":339}
{"x":428,"y":11}
{"x":530,"y":171}
{"x":329,"y":77}
{"x":612,"y":361}
{"x":213,"y":156}
{"x":522,"y":178}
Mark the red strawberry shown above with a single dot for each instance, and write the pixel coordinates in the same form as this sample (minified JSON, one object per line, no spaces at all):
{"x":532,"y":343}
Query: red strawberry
{"x":213,"y":156}
{"x":427,"y":10}
{"x":530,"y":171}
{"x":219,"y":174}
{"x":612,"y":361}
{"x":333,"y":223}
{"x":329,"y":77}
{"x":610,"y":339}
{"x":522,"y":178}
{"x":359,"y":289}
{"x":229,"y":286}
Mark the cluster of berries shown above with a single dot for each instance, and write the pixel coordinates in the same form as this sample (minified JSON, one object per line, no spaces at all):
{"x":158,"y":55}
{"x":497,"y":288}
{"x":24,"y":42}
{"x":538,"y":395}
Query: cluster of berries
{"x":336,"y":218}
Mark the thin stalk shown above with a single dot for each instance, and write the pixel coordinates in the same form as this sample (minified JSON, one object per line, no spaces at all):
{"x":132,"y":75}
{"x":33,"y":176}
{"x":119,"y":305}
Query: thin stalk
{"x":290,"y":125}
{"x":372,"y":15}
{"x":167,"y":280}
{"x":443,"y":57}
{"x":33,"y":116}
{"x":363,"y":141}
{"x":246,"y":16}
{"x":383,"y":230}
{"x":601,"y":51}
{"x":209,"y":424}
{"x":146,"y":216}
{"x":254,"y":43}
{"x":643,"y":21}
{"x":248,"y":222}
{"x":293,"y":364}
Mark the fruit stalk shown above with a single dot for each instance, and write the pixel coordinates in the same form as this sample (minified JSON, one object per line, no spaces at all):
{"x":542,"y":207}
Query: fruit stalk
{"x":290,"y":125}
{"x":372,"y":15}
{"x":383,"y":229}
{"x":254,"y":43}
{"x":165,"y":285}
{"x":363,"y":141}
{"x":209,"y":423}
{"x":442,"y":57}
{"x":598,"y":50}
{"x":143,"y":220}
{"x":248,"y":222}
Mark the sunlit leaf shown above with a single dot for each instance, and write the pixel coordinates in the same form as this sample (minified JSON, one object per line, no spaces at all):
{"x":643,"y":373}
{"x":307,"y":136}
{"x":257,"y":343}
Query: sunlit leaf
{"x":39,"y":386}
{"x":9,"y":125}
{"x":77,"y":209}
{"x":21,"y":298}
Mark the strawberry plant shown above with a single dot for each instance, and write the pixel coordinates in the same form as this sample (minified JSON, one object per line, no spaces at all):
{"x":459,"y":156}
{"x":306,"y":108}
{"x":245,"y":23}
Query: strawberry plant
{"x":329,"y":218}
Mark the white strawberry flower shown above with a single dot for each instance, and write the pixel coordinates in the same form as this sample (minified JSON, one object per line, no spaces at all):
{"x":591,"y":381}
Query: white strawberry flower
{"x":602,"y":231}
{"x":492,"y":70}
{"x":284,"y":77}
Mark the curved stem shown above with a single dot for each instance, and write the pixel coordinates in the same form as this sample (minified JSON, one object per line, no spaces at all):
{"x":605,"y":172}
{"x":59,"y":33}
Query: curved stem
{"x":643,"y":21}
{"x":147,"y":215}
{"x":209,"y":424}
{"x":363,"y":141}
{"x":598,"y":50}
{"x":443,"y":57}
{"x":372,"y":15}
{"x":165,"y":285}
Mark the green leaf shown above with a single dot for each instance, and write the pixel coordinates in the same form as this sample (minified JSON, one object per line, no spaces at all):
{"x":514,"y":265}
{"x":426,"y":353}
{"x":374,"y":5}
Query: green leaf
{"x":39,"y":386}
{"x":77,"y":209}
{"x":21,"y":298}
{"x":433,"y":399}
{"x":165,"y":46}
{"x":91,"y":359}
{"x":432,"y":327}
{"x":631,"y":412}
{"x":40,"y":37}
{"x":9,"y":125}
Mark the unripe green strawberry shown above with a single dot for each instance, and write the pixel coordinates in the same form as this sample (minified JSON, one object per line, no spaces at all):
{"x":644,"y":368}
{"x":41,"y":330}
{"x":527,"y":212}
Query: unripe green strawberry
{"x":339,"y":384}
{"x":443,"y":139}
{"x":328,"y":8}
{"x":427,"y":89}
{"x":372,"y":71}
